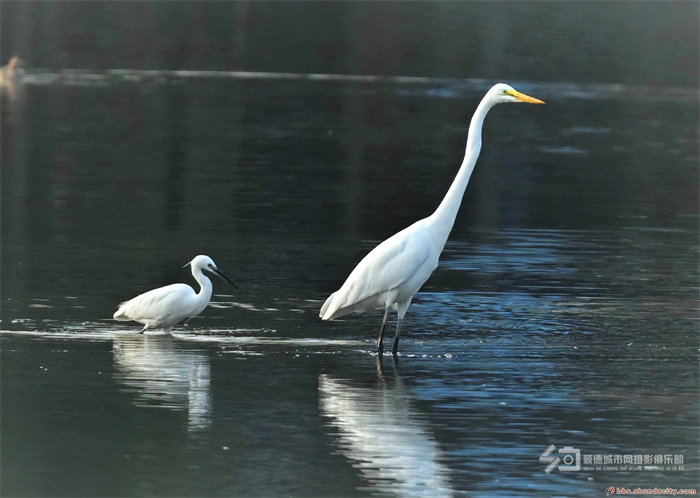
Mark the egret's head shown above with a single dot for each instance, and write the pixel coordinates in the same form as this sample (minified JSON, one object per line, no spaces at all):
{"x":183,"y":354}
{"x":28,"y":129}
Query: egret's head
{"x":206,"y":263}
{"x":203,"y":262}
{"x":502,"y":93}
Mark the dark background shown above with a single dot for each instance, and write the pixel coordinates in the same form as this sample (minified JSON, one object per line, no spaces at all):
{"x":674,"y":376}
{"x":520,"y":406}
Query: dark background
{"x":647,"y":43}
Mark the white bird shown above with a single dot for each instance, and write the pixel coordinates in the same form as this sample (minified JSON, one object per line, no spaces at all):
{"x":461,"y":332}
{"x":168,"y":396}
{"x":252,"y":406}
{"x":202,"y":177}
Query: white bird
{"x":390,"y":275}
{"x":165,"y":307}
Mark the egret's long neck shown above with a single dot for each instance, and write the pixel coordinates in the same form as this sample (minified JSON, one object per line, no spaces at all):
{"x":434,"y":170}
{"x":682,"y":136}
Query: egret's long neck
{"x":205,"y":287}
{"x":442,"y":220}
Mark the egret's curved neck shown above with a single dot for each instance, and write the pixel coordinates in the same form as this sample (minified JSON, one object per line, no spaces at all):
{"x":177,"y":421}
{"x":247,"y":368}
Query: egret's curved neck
{"x":205,"y":287}
{"x":442,"y":220}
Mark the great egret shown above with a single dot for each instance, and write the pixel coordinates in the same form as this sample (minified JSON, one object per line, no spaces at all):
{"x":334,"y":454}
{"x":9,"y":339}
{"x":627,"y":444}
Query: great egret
{"x":165,"y":307}
{"x":390,"y":275}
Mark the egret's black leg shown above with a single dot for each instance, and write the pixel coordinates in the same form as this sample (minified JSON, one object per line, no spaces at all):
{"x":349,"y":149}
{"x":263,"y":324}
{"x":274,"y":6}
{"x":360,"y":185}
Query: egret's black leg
{"x":395,"y":347}
{"x":380,"y":339}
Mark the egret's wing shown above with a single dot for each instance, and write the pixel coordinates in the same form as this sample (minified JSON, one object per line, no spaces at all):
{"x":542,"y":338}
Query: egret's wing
{"x":158,"y":304}
{"x":388,"y":266}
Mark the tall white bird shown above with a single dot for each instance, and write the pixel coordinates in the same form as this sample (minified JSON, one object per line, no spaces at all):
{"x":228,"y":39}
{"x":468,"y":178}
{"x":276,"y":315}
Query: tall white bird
{"x":165,"y":307}
{"x":390,"y":275}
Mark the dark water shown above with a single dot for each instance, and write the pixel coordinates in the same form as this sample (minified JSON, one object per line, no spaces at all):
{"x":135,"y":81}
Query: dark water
{"x":564,"y":311}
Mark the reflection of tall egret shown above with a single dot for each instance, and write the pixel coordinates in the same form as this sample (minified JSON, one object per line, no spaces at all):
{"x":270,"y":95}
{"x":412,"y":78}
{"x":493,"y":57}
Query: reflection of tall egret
{"x":163,"y":373}
{"x":384,"y":438}
{"x":165,"y":307}
{"x":390,"y":275}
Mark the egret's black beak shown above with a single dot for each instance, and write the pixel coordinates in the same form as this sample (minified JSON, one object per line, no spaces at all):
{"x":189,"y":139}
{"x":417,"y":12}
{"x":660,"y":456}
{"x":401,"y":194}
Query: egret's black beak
{"x":216,"y":270}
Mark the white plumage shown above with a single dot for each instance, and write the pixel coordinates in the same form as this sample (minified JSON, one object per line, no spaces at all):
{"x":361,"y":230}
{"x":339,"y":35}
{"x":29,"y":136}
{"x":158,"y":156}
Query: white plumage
{"x":165,"y":307}
{"x":390,"y":275}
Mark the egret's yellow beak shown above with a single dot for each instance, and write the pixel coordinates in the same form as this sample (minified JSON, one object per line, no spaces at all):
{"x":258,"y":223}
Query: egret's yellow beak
{"x":524,"y":98}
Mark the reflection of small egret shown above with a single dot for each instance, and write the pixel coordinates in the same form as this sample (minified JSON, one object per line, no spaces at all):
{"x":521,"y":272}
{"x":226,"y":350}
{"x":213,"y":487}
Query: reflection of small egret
{"x":384,"y":438}
{"x":164,"y":372}
{"x":390,"y":275}
{"x":165,"y":307}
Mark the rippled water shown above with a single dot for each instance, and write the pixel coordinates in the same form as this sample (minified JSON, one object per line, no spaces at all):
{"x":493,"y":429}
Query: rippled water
{"x":564,"y":311}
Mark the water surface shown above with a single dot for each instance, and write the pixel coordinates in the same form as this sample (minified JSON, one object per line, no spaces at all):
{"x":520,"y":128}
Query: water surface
{"x":564,"y":311}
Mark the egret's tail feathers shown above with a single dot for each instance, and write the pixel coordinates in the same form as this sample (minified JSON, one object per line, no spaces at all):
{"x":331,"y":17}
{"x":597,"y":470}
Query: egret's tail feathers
{"x":324,"y":314}
{"x":335,"y":306}
{"x":120,"y":314}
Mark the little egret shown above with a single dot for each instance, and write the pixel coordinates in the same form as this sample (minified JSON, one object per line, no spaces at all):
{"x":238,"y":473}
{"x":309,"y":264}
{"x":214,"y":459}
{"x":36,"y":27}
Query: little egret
{"x":390,"y":275}
{"x":165,"y":307}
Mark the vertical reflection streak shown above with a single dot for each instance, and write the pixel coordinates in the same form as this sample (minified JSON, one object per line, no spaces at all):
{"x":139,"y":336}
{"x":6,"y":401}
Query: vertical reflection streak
{"x":383,"y":437}
{"x":160,"y":373}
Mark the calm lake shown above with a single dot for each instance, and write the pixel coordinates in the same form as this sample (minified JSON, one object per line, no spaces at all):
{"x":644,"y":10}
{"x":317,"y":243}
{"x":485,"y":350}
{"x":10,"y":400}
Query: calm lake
{"x":564,"y":310}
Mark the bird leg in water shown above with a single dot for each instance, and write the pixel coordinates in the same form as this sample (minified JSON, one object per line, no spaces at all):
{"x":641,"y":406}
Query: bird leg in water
{"x":380,"y":339}
{"x":395,"y":347}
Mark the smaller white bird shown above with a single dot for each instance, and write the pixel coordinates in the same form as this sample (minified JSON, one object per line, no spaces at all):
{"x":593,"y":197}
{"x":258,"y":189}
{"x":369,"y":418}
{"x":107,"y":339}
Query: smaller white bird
{"x":165,"y":307}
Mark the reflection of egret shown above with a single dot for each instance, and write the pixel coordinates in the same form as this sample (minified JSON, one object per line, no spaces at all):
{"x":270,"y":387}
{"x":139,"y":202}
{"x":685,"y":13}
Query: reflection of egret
{"x":162,"y":373}
{"x":384,"y":438}
{"x":165,"y":307}
{"x":392,"y":272}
